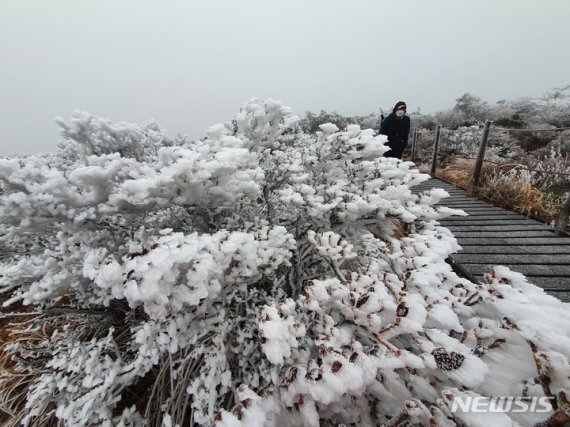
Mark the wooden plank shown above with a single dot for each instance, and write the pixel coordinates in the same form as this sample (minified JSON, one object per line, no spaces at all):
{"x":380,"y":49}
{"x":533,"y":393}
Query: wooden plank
{"x":513,"y":241}
{"x":439,"y":185}
{"x":501,"y":227}
{"x":535,"y":270}
{"x":484,"y":215}
{"x":462,"y":196}
{"x":492,"y":222}
{"x":449,"y":190}
{"x":465,"y":204}
{"x":496,"y":208}
{"x":437,"y":181}
{"x":434,"y":182}
{"x":488,"y":212}
{"x":462,"y":204}
{"x":489,"y":208}
{"x":543,"y":282}
{"x":563,"y":296}
{"x":548,"y":283}
{"x":447,"y":202}
{"x":525,"y":249}
{"x":505,"y":233}
{"x":551,"y":283}
{"x":463,"y":200}
{"x":559,"y":259}
{"x":456,"y":198}
{"x":460,"y":200}
{"x":490,"y":217}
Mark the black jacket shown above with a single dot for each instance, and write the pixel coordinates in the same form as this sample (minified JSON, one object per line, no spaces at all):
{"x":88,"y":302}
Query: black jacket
{"x":397,"y":130}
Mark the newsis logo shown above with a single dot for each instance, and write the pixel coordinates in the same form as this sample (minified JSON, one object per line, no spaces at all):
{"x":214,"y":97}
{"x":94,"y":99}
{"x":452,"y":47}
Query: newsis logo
{"x":501,"y":404}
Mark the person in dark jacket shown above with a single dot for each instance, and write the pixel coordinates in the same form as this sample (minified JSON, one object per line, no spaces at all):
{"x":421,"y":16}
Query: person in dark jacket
{"x":396,"y":126}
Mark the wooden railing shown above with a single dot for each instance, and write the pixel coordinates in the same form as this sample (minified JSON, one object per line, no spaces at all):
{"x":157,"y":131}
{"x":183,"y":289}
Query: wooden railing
{"x":562,"y":220}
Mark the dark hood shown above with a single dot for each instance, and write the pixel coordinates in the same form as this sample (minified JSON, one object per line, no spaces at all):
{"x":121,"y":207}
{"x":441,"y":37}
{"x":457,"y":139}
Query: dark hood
{"x":398,"y":105}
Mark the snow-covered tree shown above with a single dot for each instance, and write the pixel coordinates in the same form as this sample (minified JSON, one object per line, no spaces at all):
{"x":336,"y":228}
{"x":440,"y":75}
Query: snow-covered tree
{"x":259,"y":276}
{"x":311,"y":122}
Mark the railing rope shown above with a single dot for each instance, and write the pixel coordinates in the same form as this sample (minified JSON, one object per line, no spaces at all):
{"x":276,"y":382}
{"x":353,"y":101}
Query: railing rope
{"x":536,"y":130}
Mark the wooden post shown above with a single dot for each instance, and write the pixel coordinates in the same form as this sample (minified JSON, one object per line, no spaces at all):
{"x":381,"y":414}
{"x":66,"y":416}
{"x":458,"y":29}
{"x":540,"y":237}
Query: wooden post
{"x":435,"y":145}
{"x":562,"y":221}
{"x":414,"y":142}
{"x":480,"y":157}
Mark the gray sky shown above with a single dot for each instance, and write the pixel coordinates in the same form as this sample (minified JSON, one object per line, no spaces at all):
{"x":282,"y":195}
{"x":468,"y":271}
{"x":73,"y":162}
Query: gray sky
{"x":189,"y":64}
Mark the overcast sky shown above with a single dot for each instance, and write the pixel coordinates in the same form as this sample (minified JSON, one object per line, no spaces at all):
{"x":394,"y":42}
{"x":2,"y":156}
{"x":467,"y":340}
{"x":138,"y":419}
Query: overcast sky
{"x":189,"y":64}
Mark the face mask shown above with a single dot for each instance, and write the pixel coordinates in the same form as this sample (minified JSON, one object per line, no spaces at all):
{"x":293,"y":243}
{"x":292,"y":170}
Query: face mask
{"x":400,"y":113}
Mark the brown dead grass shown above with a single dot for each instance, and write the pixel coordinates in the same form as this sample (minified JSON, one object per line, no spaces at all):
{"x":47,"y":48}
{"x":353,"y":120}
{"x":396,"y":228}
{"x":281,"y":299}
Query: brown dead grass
{"x":16,"y":380}
{"x":401,"y":229}
{"x":14,"y":383}
{"x":509,"y":192}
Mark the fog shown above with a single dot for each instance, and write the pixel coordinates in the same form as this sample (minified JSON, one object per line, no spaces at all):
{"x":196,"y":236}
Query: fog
{"x":188,"y":65}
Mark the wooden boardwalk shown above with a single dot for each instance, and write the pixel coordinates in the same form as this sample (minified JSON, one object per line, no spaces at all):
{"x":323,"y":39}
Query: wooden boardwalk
{"x":494,"y":236}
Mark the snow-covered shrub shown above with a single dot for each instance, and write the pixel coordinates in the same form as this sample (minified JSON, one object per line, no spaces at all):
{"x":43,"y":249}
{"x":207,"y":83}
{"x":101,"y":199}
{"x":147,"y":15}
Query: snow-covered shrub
{"x":311,"y":122}
{"x":259,"y":276}
{"x":561,"y":144}
{"x":92,"y":135}
{"x":464,"y":141}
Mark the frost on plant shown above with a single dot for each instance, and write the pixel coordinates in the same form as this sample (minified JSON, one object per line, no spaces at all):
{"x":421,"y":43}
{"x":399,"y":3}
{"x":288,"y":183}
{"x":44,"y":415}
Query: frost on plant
{"x":258,"y":276}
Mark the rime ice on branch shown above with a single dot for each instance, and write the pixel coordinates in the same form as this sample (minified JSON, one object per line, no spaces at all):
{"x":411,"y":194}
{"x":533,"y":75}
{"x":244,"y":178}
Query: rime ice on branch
{"x":259,"y":276}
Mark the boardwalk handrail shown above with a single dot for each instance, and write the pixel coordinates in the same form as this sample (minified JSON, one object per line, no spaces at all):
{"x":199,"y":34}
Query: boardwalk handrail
{"x":431,"y":152}
{"x":562,"y":218}
{"x":521,"y":167}
{"x":435,"y":145}
{"x":480,"y":156}
{"x":534,"y":130}
{"x":562,"y":221}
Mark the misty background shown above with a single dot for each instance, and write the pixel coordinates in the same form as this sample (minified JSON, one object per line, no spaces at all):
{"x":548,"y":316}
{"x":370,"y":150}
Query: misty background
{"x":189,"y":65}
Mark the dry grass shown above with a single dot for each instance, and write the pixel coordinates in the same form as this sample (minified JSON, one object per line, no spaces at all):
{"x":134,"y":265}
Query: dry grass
{"x":400,"y":230}
{"x":20,"y":368}
{"x":19,"y":371}
{"x":14,"y":382}
{"x":506,"y":186}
